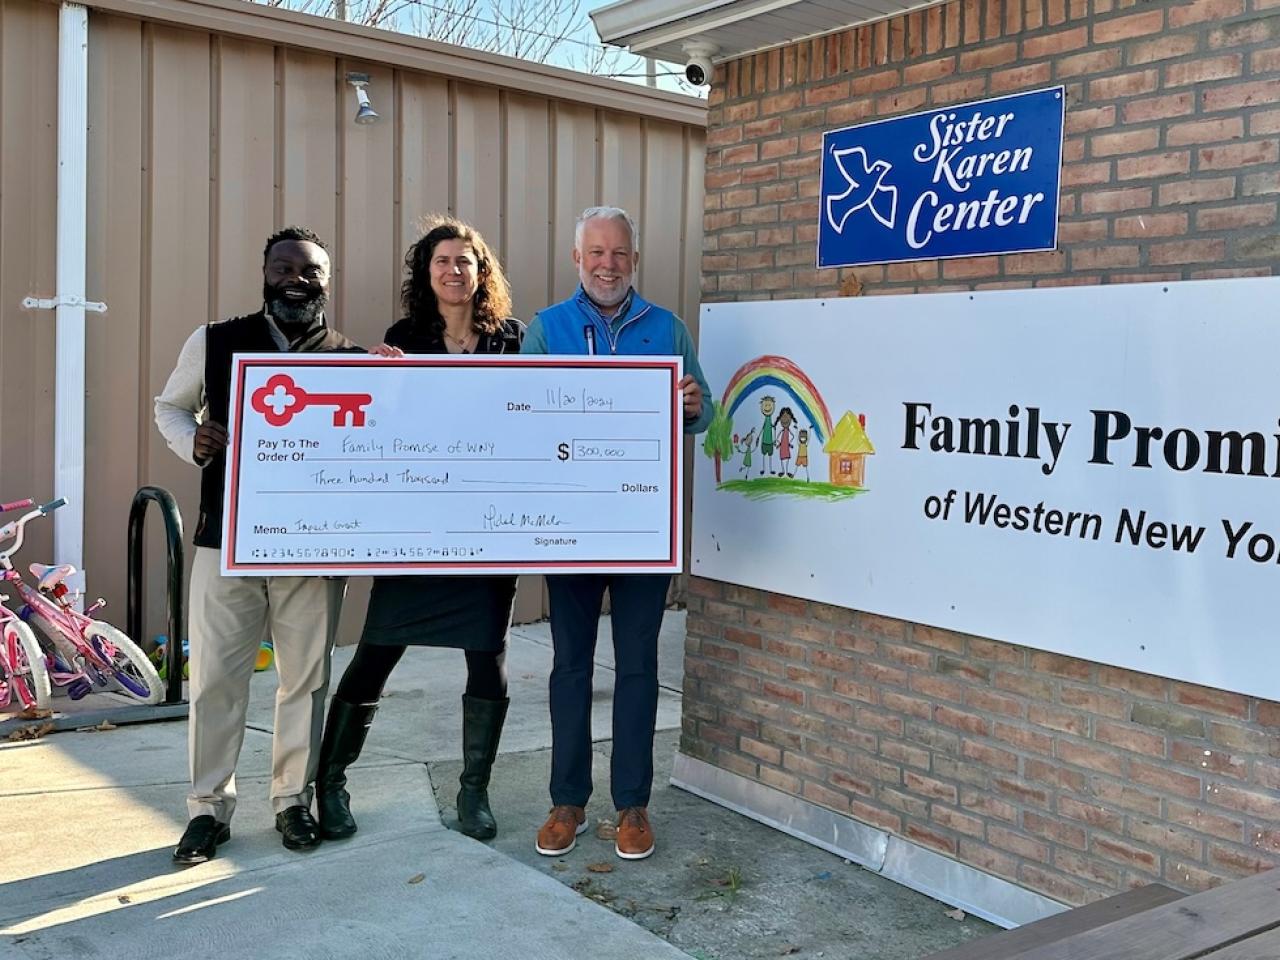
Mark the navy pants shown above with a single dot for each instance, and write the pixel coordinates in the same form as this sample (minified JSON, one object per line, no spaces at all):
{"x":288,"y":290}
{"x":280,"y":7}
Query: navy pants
{"x":638,"y":602}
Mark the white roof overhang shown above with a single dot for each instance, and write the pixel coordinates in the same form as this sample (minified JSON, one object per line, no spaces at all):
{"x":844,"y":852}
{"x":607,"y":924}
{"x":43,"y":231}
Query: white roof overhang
{"x":660,"y":28}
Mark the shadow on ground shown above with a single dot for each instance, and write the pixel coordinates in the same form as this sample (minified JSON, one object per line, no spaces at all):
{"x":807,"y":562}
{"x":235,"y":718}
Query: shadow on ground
{"x":719,"y":886}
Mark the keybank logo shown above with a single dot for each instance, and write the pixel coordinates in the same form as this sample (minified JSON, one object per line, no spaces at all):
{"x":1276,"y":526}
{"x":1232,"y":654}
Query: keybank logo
{"x":279,"y":400}
{"x":964,"y":180}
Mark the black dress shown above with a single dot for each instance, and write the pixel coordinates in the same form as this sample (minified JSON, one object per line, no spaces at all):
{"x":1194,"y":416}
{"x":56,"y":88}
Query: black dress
{"x":469,"y":613}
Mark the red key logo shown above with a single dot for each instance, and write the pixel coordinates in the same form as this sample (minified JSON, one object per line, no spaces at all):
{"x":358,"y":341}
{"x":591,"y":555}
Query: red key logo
{"x":279,"y":399}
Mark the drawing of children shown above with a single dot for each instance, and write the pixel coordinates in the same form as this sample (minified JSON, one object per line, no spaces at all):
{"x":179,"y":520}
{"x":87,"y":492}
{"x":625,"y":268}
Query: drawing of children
{"x":766,"y":436}
{"x":802,"y":453}
{"x":785,"y":419}
{"x":745,"y":449}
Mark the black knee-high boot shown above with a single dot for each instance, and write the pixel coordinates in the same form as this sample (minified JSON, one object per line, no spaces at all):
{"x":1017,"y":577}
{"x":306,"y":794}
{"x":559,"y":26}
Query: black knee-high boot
{"x":344,"y":734}
{"x":482,"y":722}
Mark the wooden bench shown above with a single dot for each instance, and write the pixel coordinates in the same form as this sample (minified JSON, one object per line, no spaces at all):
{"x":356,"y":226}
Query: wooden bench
{"x":1236,"y":921}
{"x":1012,"y":943}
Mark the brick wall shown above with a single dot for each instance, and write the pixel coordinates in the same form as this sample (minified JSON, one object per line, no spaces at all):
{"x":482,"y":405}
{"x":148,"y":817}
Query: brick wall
{"x":1171,"y":157}
{"x":1070,"y":778}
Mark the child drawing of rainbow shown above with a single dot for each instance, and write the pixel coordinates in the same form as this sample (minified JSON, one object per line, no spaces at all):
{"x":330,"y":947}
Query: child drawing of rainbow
{"x":781,"y":374}
{"x":780,"y":384}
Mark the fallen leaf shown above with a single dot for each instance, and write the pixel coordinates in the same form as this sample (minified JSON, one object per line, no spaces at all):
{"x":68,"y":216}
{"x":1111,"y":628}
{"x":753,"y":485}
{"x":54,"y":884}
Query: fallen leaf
{"x":105,"y":725}
{"x":956,"y":914}
{"x":606,"y":830}
{"x":587,"y":887}
{"x":31,"y":733}
{"x":600,"y":867}
{"x":124,"y":899}
{"x":34,"y":713}
{"x":417,"y":878}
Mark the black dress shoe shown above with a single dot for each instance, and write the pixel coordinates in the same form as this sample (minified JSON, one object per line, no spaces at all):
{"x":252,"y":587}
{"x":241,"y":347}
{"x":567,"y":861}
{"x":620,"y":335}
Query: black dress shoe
{"x":200,"y":840}
{"x":298,"y":828}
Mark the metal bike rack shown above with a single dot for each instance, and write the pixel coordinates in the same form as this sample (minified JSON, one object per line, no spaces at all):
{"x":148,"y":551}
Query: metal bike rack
{"x":173,"y":548}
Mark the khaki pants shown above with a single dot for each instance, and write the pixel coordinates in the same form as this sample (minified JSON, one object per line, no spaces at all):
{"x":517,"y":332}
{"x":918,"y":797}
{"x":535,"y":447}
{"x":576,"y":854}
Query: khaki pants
{"x":229,"y":619}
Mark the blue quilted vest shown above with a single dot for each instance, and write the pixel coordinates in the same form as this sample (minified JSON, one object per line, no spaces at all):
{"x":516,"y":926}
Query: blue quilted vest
{"x":574,"y":326}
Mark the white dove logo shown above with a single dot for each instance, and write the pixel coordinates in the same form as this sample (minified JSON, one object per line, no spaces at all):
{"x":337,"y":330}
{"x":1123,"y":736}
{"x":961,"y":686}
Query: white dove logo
{"x":866,"y":189}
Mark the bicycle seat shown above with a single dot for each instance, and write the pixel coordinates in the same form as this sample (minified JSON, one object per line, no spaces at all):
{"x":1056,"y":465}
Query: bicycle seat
{"x":51,"y":575}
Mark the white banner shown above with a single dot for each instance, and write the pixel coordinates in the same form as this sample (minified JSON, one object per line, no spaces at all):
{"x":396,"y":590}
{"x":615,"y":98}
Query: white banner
{"x":1093,"y":471}
{"x":350,"y":464}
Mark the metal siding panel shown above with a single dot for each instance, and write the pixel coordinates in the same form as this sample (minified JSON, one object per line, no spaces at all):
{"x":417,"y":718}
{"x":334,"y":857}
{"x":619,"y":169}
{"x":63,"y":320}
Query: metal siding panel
{"x":622,"y":168}
{"x":244,"y":190}
{"x":662,"y":220}
{"x":176,"y":242}
{"x":478,"y":159}
{"x":307,"y":134}
{"x":426,"y":149}
{"x":363,"y":257}
{"x":151,"y":236}
{"x":28,"y":207}
{"x":575,"y":177}
{"x":527,"y":259}
{"x":118,"y":420}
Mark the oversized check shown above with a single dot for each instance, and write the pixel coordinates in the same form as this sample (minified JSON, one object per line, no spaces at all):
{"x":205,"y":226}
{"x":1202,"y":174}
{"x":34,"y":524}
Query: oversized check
{"x":351,"y":464}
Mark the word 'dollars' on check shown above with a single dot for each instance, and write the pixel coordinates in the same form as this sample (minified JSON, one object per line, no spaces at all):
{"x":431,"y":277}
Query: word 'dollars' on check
{"x":347,"y":465}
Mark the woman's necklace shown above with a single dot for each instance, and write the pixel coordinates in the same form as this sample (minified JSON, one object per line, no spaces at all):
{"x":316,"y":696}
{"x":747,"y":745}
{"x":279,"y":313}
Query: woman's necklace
{"x":464,"y":345}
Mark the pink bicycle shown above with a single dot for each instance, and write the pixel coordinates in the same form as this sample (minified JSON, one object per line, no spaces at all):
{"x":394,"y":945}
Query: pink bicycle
{"x":24,"y":678}
{"x":83,"y":654}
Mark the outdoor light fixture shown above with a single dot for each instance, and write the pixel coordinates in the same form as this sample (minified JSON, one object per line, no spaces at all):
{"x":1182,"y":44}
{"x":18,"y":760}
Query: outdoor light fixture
{"x":366,"y":113}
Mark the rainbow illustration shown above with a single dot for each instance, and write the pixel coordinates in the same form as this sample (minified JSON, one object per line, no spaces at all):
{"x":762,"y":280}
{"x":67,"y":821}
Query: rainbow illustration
{"x":781,"y":374}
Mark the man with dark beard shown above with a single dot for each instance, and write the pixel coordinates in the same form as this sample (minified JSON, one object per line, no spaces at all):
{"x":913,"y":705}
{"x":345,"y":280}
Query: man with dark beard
{"x":229,"y":616}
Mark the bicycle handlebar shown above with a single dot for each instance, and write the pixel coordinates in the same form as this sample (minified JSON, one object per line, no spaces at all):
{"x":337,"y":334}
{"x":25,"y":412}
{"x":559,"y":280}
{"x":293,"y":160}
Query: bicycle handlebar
{"x":16,"y":505}
{"x":14,"y":529}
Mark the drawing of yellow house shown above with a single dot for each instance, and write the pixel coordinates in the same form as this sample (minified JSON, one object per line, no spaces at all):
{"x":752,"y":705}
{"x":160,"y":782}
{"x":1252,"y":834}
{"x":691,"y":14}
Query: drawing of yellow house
{"x":847,"y":450}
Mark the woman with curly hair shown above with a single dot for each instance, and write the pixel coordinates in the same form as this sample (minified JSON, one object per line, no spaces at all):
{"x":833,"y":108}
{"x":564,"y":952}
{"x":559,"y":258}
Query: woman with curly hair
{"x":456,"y":300}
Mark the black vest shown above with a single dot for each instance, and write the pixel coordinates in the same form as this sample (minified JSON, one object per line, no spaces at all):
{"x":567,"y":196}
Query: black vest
{"x":249,"y":334}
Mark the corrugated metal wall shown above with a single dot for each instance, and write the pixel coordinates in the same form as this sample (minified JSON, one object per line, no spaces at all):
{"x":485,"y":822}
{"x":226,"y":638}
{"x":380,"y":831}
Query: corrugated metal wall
{"x":201,"y":144}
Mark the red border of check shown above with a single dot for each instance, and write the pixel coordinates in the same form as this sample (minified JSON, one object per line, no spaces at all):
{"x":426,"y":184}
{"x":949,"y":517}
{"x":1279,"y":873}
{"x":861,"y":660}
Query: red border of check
{"x":671,"y":364}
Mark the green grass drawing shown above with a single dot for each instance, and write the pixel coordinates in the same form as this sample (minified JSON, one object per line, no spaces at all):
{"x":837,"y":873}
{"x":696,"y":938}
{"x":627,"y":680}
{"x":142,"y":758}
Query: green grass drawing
{"x":765,"y":488}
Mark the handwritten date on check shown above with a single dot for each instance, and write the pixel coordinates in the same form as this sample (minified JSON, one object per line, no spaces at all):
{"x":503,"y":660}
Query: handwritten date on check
{"x":355,"y":465}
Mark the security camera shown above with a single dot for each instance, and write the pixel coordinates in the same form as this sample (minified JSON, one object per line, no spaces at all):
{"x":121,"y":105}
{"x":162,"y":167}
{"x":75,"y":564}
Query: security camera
{"x":698,"y":68}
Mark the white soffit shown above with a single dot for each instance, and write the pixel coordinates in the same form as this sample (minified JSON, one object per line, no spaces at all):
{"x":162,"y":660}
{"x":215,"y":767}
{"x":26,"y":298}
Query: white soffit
{"x":658,"y":28}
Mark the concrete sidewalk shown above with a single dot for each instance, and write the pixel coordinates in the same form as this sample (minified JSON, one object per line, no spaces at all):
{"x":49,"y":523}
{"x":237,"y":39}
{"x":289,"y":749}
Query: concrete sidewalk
{"x":88,"y":821}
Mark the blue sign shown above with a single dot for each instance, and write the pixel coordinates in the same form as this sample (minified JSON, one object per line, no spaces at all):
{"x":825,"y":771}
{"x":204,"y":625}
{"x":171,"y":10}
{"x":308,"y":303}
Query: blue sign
{"x":960,"y":181}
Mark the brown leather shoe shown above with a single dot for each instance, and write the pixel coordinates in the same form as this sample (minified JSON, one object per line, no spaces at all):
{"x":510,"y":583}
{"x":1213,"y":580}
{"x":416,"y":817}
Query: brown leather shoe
{"x":635,"y":836}
{"x":559,"y":834}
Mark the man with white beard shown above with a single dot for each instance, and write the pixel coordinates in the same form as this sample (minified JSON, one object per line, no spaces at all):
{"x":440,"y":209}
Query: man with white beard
{"x":606,"y":316}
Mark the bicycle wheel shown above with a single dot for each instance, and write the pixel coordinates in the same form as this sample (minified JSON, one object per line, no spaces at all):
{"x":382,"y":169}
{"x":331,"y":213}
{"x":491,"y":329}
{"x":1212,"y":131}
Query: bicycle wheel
{"x":28,"y":675}
{"x":130,"y":666}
